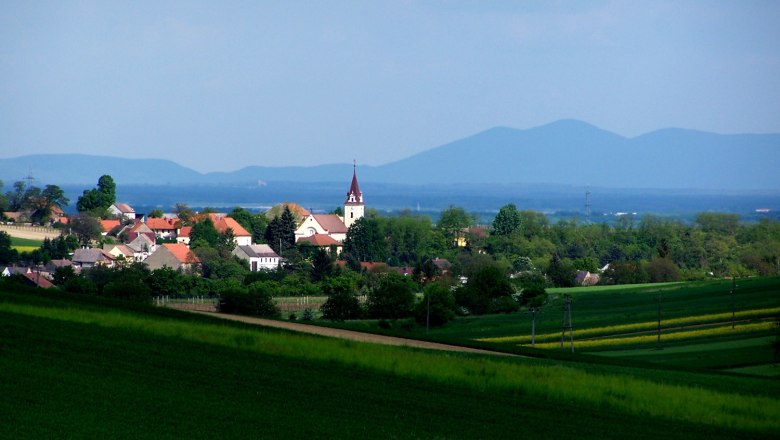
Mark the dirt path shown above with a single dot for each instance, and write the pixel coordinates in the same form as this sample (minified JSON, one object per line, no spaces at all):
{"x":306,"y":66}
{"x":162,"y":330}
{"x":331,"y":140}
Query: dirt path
{"x":30,"y":232}
{"x":349,"y":334}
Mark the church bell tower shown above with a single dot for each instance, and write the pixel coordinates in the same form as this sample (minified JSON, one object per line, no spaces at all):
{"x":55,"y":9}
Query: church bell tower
{"x":354,"y":208}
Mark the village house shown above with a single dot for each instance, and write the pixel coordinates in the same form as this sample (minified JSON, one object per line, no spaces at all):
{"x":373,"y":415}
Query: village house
{"x":183,"y":235}
{"x":260,"y":256}
{"x":87,"y":258}
{"x":107,"y":226}
{"x":122,"y":211}
{"x":222,"y":223}
{"x":176,"y":256}
{"x":162,"y":228}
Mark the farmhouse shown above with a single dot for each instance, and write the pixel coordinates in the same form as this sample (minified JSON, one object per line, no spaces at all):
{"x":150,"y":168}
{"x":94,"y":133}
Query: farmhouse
{"x":177,"y":256}
{"x":162,"y":228}
{"x":86,"y":258}
{"x":222,"y":223}
{"x":260,"y":256}
{"x":122,"y":211}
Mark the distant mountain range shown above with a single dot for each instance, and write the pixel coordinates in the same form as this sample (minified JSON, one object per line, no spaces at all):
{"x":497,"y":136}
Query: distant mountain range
{"x":566,"y":152}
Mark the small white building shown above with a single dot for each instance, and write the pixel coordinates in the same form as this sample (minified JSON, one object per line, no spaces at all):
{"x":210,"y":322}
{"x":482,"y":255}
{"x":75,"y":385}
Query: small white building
{"x":122,"y":211}
{"x":260,"y":256}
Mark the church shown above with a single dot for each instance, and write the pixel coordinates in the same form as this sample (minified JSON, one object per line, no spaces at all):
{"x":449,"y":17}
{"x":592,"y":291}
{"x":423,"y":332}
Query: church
{"x":331,"y":229}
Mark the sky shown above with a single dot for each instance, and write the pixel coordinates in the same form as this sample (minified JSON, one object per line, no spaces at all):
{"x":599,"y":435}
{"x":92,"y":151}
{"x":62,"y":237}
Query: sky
{"x":217,"y":86}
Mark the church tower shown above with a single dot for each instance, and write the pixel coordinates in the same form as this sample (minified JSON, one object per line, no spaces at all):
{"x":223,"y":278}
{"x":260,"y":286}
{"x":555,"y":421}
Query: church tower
{"x":354,"y":208}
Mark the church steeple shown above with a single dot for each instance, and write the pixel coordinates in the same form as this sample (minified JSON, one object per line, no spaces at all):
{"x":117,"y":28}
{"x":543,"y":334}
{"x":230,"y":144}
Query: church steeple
{"x":354,"y":195}
{"x":353,"y":206}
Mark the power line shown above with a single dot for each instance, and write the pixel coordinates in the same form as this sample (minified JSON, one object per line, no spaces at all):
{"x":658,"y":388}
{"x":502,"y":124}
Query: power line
{"x":567,"y":323}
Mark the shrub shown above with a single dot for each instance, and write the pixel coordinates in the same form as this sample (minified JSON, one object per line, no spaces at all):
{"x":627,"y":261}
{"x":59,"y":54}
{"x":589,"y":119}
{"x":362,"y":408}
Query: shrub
{"x":342,"y":303}
{"x":442,"y":305}
{"x":255,"y":301}
{"x":392,"y":298}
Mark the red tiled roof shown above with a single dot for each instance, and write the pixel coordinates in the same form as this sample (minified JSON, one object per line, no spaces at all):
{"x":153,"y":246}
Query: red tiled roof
{"x":223,"y":223}
{"x":320,"y":240}
{"x":331,"y":223}
{"x":108,"y":225}
{"x":38,"y":280}
{"x":161,"y":224}
{"x":182,"y":253}
{"x":185,"y":231}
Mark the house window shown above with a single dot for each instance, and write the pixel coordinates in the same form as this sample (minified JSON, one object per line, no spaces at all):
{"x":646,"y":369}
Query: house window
{"x":351,"y":214}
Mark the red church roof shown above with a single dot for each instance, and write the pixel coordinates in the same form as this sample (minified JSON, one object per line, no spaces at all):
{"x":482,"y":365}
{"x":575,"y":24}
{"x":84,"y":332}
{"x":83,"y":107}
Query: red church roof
{"x":354,"y":196}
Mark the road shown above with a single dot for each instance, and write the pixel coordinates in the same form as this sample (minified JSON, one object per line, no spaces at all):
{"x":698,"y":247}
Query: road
{"x":349,"y":334}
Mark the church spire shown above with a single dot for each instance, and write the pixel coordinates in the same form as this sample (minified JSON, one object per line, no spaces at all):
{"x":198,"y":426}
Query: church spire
{"x":354,"y":209}
{"x":354,"y":195}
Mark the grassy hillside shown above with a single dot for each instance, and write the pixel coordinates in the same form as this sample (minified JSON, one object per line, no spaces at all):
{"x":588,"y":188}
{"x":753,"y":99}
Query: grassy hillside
{"x":620,"y":322}
{"x":83,"y":367}
{"x":25,"y":244}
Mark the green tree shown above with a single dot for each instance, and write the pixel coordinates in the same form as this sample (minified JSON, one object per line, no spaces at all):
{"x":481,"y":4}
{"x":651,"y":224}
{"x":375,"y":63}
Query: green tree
{"x":391,"y":298}
{"x":7,"y":253}
{"x":321,"y":265}
{"x":85,"y":227}
{"x":437,"y":306}
{"x":507,"y":220}
{"x":487,"y":291}
{"x":280,"y":233}
{"x":365,"y":241}
{"x":452,"y":222}
{"x":156,"y":213}
{"x":256,"y":300}
{"x":256,"y":224}
{"x":342,"y":304}
{"x":100,"y":198}
{"x":204,"y":232}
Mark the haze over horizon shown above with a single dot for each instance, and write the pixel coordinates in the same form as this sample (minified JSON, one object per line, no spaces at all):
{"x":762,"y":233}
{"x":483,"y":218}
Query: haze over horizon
{"x":218,"y":87}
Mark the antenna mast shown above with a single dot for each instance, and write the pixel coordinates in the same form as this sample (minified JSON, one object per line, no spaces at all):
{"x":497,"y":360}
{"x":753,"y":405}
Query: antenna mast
{"x":587,"y":205}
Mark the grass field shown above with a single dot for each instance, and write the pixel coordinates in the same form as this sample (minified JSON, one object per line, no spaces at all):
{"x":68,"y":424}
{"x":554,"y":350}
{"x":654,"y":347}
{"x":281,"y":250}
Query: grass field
{"x":87,"y":368}
{"x":25,"y":244}
{"x":621,"y":321}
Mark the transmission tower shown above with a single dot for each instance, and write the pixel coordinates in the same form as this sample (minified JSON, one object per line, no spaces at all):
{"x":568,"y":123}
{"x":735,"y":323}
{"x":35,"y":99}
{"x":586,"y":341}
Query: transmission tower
{"x":587,"y":205}
{"x":29,"y":177}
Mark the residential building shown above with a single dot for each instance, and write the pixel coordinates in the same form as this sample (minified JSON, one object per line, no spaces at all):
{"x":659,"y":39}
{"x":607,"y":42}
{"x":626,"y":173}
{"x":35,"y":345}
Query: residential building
{"x":122,"y":211}
{"x":177,"y":256}
{"x":260,"y":256}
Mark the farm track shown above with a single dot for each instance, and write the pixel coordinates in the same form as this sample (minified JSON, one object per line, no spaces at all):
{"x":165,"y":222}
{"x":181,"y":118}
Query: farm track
{"x":350,"y":334}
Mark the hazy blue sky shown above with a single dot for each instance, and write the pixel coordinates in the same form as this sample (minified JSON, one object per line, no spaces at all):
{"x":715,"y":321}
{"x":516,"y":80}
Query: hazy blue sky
{"x":221,"y":85}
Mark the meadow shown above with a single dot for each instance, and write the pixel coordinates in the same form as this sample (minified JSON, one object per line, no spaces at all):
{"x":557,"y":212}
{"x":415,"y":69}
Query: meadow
{"x":620,"y":323}
{"x":25,"y":244}
{"x":74,"y":366}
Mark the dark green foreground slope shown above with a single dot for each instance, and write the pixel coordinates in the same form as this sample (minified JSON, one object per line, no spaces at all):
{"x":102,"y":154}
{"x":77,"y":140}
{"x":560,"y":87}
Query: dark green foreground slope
{"x":79,"y":380}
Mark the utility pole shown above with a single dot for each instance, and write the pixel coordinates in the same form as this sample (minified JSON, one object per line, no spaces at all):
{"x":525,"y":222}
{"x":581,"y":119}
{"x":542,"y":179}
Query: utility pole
{"x":428,"y":314}
{"x":533,"y":326}
{"x":658,"y":342}
{"x":567,"y":323}
{"x":733,"y":301}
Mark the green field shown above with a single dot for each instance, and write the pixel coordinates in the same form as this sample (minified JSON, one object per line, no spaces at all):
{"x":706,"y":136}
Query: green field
{"x":25,"y":244}
{"x":83,"y":367}
{"x":620,"y":322}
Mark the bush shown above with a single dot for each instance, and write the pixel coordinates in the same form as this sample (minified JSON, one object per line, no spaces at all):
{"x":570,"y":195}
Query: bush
{"x":392,"y":298}
{"x":442,"y":305}
{"x":307,"y":315}
{"x":487,"y":285}
{"x":255,"y":301}
{"x":342,"y":303}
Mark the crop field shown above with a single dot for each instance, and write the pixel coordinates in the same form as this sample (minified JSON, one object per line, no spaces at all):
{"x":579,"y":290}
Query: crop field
{"x":25,"y":244}
{"x":621,"y":322}
{"x":85,"y":367}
